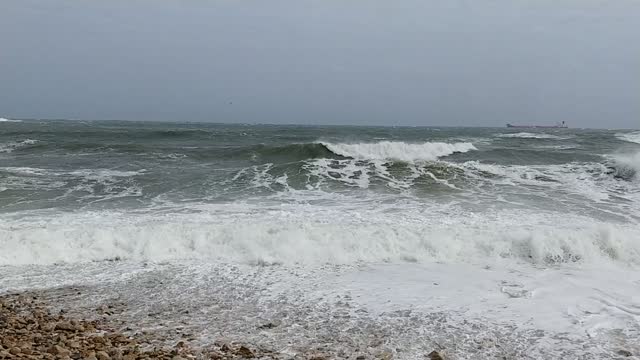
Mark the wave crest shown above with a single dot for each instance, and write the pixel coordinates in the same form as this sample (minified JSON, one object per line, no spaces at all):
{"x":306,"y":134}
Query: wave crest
{"x":633,"y":137}
{"x":526,"y":135}
{"x":8,"y":120}
{"x":397,"y":150}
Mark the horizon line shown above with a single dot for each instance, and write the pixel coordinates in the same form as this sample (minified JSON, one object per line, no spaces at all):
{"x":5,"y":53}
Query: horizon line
{"x":293,"y":124}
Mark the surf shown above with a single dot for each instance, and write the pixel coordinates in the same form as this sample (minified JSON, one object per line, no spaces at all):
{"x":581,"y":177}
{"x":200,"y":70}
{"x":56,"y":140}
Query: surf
{"x":298,"y":234}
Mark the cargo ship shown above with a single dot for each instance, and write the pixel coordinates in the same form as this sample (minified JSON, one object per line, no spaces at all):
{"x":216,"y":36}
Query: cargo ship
{"x":561,"y":125}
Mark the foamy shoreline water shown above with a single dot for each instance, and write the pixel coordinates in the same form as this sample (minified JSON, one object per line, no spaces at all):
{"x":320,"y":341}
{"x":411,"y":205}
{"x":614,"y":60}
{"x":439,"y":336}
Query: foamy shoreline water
{"x":406,"y":310}
{"x":304,"y":235}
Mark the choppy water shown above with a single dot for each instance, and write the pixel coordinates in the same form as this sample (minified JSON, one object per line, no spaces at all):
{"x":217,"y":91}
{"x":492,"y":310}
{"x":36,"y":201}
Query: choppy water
{"x":304,"y":196}
{"x":381,"y":189}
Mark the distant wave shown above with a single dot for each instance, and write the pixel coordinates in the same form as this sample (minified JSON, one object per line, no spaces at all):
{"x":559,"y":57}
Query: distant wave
{"x":526,"y":135}
{"x":8,"y":120}
{"x":300,"y":151}
{"x":397,"y":150}
{"x":382,"y":150}
{"x":559,"y":147}
{"x":633,"y":137}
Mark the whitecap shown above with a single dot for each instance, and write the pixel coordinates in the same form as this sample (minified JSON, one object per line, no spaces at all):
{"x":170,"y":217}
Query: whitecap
{"x":633,"y":137}
{"x":398,"y":150}
{"x":526,"y":135}
{"x":8,"y":120}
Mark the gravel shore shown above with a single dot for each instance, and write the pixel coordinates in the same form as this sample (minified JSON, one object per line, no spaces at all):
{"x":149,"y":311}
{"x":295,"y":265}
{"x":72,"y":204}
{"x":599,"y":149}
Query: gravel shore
{"x":28,"y":330}
{"x":218,"y":311}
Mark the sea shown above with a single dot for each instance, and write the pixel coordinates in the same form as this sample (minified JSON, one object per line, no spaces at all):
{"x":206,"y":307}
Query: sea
{"x":476,"y":242}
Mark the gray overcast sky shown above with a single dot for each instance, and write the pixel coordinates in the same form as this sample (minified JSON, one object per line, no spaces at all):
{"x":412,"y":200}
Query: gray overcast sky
{"x":405,"y":62}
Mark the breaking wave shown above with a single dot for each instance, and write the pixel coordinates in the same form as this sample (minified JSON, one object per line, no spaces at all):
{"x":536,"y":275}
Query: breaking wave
{"x":627,"y":165}
{"x":633,"y":137}
{"x":383,"y":150}
{"x":307,"y":236}
{"x":390,"y":150}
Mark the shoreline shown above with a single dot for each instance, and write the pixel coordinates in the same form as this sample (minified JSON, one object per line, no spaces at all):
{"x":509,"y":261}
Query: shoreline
{"x":34,"y":326}
{"x":29,"y":330}
{"x":404,"y":311}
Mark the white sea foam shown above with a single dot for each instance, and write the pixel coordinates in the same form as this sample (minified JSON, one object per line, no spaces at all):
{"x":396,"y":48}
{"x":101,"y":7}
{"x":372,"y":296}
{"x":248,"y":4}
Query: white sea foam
{"x":104,"y":173}
{"x":602,"y":183}
{"x":25,"y":170}
{"x":526,"y":135}
{"x":14,"y":145}
{"x":84,"y":173}
{"x":633,"y":137}
{"x":348,"y":172}
{"x":397,"y":150}
{"x":171,"y":156}
{"x":574,"y":300}
{"x":593,"y":181}
{"x":310,"y":235}
{"x":559,"y":147}
{"x":88,"y":184}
